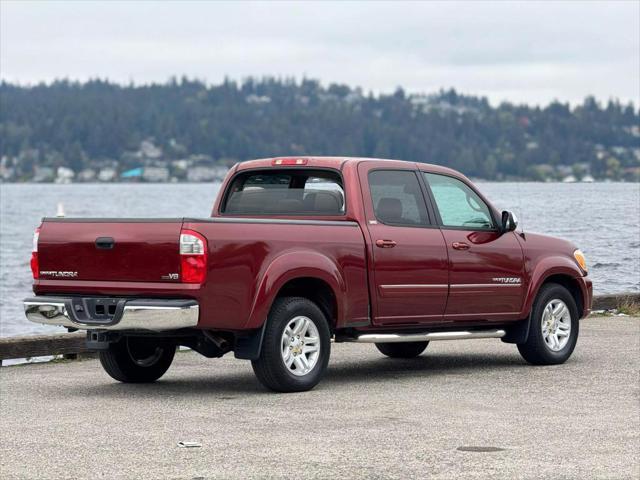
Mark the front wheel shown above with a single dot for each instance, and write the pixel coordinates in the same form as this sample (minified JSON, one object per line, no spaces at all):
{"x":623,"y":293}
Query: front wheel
{"x":296,"y":346}
{"x":553,"y":331}
{"x":137,"y":360}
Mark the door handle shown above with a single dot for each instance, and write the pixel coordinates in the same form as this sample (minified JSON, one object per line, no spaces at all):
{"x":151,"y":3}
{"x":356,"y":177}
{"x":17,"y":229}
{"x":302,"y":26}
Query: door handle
{"x":105,"y":243}
{"x":460,"y":246}
{"x":385,"y":243}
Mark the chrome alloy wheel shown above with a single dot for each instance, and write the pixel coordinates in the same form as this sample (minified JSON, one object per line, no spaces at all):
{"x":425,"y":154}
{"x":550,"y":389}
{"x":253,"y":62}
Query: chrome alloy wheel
{"x":300,"y":346}
{"x":556,"y":325}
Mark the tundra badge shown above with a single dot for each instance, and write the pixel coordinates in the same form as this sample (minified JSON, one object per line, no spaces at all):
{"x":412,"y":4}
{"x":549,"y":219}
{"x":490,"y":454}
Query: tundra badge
{"x":58,"y":274}
{"x":507,"y":279}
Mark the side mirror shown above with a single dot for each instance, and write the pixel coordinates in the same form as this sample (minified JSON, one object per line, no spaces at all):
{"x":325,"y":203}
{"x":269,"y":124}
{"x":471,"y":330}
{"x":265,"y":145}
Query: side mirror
{"x":509,"y":221}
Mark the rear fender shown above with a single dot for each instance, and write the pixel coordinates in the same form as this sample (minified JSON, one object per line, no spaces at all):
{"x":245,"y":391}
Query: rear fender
{"x":287,"y":267}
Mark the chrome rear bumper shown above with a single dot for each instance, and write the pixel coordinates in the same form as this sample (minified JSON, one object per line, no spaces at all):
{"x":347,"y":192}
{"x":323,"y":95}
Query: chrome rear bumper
{"x":129,"y":314}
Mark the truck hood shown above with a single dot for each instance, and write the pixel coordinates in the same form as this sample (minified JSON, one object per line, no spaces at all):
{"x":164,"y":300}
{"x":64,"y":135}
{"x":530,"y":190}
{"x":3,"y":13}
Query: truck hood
{"x":536,"y":247}
{"x":548,"y":243}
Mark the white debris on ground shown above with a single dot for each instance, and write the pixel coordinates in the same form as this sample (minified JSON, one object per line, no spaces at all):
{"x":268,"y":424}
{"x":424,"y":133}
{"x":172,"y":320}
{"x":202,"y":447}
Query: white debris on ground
{"x":611,"y":311}
{"x":189,"y":444}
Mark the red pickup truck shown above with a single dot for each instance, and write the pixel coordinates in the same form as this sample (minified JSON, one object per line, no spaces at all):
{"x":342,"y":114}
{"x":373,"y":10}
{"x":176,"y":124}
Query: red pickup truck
{"x":300,"y":251}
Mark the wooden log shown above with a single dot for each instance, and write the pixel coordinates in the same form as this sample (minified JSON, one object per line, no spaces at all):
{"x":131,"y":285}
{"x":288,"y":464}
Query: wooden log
{"x":42,"y":345}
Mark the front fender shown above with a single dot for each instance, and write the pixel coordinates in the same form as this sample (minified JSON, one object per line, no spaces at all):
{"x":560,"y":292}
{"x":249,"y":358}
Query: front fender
{"x":289,"y":266}
{"x":545,"y":268}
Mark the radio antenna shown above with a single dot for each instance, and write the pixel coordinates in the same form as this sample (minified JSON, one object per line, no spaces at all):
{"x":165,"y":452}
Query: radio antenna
{"x":520,"y":212}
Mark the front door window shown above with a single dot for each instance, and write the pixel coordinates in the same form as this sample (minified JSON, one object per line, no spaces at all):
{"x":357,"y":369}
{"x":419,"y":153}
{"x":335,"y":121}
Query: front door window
{"x":459,"y":205}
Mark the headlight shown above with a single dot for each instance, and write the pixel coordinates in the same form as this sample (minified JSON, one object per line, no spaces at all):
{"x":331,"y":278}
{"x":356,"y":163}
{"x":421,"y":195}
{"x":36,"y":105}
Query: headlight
{"x":579,"y":256}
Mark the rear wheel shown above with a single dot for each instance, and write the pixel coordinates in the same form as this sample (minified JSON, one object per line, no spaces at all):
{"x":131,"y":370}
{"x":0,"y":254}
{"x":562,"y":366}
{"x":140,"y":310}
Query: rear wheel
{"x":553,"y":332}
{"x":137,"y":360}
{"x":296,"y":346}
{"x":403,"y":349}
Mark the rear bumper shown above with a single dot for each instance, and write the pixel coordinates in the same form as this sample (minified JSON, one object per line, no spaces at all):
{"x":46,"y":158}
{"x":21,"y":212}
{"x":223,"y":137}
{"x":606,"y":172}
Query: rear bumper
{"x":130,"y":314}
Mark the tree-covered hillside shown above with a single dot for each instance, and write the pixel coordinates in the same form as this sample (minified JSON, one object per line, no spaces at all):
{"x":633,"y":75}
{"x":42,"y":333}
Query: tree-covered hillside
{"x":89,"y":125}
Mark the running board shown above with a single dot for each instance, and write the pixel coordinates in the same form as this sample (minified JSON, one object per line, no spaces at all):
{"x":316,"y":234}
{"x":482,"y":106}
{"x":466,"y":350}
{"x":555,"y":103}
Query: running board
{"x":425,"y":337}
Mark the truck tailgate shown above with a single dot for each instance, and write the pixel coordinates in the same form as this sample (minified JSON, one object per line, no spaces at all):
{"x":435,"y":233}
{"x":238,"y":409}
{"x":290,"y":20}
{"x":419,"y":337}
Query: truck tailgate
{"x":123,"y":250}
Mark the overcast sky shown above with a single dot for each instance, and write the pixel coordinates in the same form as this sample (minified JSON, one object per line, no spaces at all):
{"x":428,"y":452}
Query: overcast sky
{"x":522,"y":52}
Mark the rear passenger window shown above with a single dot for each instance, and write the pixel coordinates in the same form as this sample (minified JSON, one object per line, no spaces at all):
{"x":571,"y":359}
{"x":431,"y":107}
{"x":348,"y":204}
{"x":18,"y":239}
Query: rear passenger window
{"x":291,"y":192}
{"x":397,"y":198}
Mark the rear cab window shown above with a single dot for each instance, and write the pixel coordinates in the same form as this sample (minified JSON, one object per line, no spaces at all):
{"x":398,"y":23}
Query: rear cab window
{"x":397,"y":198}
{"x":285,"y":192}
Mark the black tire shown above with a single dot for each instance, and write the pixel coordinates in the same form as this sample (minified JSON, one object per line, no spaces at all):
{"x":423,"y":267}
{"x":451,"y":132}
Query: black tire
{"x":137,"y":360}
{"x":270,"y":367}
{"x":535,"y":350}
{"x":403,"y":349}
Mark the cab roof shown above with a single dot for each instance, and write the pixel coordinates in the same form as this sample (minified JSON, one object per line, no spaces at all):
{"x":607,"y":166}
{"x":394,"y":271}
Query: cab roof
{"x":335,"y":162}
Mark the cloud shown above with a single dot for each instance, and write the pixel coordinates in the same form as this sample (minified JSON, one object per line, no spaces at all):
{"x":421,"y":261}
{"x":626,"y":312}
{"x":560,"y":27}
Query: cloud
{"x":524,"y":52}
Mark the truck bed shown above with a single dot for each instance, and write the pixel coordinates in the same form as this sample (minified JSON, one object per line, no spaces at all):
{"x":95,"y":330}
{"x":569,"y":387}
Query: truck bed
{"x":247,"y":258}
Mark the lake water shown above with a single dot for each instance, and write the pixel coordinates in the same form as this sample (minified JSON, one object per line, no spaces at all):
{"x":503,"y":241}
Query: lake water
{"x":603,"y":219}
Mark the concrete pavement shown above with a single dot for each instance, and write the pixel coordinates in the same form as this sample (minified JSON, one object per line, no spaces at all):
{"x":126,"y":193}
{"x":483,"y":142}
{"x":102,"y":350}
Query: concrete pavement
{"x":370,"y":417}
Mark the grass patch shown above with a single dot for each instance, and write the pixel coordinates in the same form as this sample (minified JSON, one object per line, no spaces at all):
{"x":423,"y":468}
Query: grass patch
{"x":629,"y":307}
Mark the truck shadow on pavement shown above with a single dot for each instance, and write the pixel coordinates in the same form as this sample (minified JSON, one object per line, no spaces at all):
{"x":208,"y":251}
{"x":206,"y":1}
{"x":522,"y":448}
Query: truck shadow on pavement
{"x":425,"y":366}
{"x":226,"y":385}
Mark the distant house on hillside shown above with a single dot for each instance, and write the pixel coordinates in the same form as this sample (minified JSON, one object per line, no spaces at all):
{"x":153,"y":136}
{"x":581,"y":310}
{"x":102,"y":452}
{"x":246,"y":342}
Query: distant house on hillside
{"x":7,"y":171}
{"x":257,"y":99}
{"x":107,"y":174}
{"x":87,"y":175}
{"x":155,"y":174}
{"x":149,"y":150}
{"x":43,"y":174}
{"x":133,"y":174}
{"x":65,"y":175}
{"x":206,"y":174}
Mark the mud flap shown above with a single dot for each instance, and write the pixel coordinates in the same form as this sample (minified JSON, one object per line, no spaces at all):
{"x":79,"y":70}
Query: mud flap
{"x":518,"y":332}
{"x":249,"y":344}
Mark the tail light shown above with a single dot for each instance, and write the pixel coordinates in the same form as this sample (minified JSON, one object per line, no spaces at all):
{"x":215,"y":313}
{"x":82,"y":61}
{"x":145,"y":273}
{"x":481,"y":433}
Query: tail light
{"x":35,"y":264}
{"x":193,"y":257}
